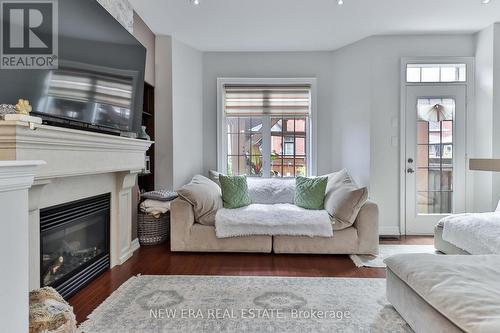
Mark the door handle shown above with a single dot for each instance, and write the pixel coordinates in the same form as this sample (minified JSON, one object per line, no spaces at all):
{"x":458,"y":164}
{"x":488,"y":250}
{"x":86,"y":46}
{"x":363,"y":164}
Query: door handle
{"x":410,"y":170}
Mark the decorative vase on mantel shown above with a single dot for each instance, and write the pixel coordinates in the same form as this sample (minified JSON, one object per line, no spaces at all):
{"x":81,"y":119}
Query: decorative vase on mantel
{"x":143,"y":135}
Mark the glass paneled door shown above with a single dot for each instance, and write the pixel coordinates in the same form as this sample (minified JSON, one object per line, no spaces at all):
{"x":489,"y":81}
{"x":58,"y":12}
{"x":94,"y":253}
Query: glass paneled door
{"x":435,"y":155}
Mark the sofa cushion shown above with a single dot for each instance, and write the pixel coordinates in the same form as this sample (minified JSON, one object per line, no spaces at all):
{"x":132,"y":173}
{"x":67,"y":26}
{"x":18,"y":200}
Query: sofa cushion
{"x":205,"y":197}
{"x":310,"y":192}
{"x":271,"y":190}
{"x":234,"y":191}
{"x":344,"y":199}
{"x":464,"y":289}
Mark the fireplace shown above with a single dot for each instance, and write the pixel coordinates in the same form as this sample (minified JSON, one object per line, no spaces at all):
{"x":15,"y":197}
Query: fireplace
{"x":74,"y":244}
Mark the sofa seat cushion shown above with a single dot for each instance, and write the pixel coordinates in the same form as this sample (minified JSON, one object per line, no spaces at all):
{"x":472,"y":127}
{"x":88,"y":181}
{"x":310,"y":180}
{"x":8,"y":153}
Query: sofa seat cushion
{"x":464,"y":289}
{"x":202,"y":238}
{"x":272,"y":220}
{"x":343,"y":242}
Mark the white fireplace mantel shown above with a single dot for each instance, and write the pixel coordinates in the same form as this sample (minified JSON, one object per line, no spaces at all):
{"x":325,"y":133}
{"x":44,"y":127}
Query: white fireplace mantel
{"x":16,"y":177}
{"x":70,"y":152}
{"x":78,"y":164}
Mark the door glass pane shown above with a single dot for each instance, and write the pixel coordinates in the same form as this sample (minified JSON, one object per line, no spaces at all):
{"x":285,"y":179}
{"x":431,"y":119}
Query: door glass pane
{"x":434,"y":158}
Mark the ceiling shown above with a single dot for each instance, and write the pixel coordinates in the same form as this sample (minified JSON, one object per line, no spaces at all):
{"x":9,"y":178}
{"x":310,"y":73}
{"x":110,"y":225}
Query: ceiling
{"x":306,"y":25}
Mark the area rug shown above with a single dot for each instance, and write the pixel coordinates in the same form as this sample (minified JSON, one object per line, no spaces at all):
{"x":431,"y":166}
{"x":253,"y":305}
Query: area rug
{"x":386,"y":251}
{"x":213,"y":304}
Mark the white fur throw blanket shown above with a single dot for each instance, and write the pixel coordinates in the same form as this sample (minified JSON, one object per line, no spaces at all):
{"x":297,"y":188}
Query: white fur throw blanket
{"x":272,"y":220}
{"x":474,"y":233}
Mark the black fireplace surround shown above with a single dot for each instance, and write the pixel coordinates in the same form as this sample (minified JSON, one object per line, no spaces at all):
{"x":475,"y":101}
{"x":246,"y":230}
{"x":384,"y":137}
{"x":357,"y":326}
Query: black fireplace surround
{"x":74,"y":244}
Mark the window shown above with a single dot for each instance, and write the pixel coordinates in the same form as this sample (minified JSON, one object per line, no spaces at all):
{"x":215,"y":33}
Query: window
{"x":266,"y":130}
{"x":435,"y":168}
{"x":428,"y":73}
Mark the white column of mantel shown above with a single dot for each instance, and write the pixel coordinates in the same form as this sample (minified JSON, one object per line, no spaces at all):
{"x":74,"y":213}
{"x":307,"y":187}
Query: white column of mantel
{"x":16,"y":177}
{"x":121,"y":217}
{"x":34,"y":232}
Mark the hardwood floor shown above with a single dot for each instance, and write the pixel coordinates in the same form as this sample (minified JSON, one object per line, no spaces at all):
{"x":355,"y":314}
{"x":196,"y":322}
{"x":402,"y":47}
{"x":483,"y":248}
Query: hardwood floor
{"x":158,"y":260}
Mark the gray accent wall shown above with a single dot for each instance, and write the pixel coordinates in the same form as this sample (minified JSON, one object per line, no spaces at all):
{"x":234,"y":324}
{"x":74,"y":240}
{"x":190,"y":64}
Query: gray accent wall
{"x":147,"y":38}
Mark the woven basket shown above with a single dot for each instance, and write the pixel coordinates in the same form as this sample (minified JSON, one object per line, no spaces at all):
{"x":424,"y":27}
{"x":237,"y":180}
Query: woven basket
{"x":152,"y":230}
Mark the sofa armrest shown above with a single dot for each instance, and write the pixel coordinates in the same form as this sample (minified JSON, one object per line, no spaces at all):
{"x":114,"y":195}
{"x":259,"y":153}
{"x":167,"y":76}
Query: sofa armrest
{"x":181,"y":221}
{"x":367,"y":226}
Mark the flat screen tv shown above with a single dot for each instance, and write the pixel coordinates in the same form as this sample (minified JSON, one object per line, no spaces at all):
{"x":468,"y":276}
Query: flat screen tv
{"x":99,"y":82}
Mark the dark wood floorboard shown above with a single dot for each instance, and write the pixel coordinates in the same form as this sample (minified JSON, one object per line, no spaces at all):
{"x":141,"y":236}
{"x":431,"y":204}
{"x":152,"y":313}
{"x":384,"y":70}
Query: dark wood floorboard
{"x":158,"y":260}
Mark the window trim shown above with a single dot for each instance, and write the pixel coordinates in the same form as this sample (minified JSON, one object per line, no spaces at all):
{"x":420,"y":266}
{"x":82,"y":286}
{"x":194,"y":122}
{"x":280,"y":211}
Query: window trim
{"x":221,"y":119}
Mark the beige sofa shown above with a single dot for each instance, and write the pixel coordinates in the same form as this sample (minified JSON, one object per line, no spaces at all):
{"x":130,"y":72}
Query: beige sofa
{"x":188,"y":235}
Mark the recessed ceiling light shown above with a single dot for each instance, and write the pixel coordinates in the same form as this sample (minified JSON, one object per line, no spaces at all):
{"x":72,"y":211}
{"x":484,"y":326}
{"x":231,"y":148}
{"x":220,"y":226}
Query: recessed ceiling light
{"x":485,"y":2}
{"x":340,"y":2}
{"x":195,"y":2}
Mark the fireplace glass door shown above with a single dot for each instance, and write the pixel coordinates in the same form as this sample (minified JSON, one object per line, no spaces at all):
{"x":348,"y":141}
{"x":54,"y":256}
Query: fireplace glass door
{"x":73,"y":238}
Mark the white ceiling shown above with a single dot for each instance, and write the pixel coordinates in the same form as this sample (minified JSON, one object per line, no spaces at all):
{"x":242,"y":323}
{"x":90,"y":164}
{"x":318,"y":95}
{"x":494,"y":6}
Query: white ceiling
{"x":304,"y":25}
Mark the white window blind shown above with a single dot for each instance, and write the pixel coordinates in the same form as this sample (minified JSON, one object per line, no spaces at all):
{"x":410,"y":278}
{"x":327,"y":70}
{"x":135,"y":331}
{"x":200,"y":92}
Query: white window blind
{"x":267,"y":100}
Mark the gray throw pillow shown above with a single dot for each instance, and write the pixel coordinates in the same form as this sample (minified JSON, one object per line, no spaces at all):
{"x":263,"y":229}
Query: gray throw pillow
{"x":160,"y":195}
{"x":205,"y":196}
{"x":344,"y":199}
{"x":214,"y":176}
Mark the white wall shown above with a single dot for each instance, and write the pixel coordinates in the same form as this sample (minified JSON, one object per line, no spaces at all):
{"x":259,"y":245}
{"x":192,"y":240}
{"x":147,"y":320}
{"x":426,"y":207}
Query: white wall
{"x":487,"y":116}
{"x":358,"y":104}
{"x":496,"y":111}
{"x":164,"y":166}
{"x":187,"y":107}
{"x":271,"y":65}
{"x":384,"y":54}
{"x":178,"y":113}
{"x":483,"y":120}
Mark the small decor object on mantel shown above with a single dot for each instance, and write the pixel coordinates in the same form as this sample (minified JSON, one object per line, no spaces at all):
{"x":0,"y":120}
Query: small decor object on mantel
{"x":22,"y":113}
{"x":23,"y":107}
{"x":7,"y":109}
{"x":143,"y":134}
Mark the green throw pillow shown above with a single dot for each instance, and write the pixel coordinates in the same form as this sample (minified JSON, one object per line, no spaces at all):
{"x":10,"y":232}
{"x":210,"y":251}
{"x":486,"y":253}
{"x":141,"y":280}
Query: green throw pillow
{"x":234,"y":191}
{"x":310,"y":192}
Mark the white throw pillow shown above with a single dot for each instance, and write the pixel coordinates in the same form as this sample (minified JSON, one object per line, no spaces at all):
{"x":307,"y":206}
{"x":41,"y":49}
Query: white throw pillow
{"x":271,"y":191}
{"x":344,"y":199}
{"x":205,"y":196}
{"x":498,"y":207}
{"x":266,"y":191}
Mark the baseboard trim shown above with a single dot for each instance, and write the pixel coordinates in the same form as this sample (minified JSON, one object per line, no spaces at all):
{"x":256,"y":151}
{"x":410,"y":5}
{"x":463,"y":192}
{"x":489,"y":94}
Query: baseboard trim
{"x":389,"y":231}
{"x":126,"y":255}
{"x":134,"y":246}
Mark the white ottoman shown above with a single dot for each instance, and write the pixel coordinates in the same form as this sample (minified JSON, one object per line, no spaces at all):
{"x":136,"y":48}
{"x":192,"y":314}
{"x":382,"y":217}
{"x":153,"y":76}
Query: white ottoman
{"x":446,"y":294}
